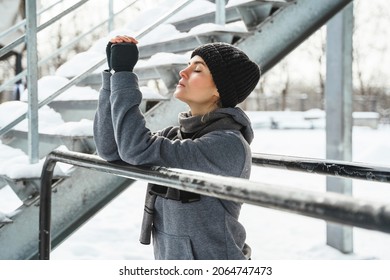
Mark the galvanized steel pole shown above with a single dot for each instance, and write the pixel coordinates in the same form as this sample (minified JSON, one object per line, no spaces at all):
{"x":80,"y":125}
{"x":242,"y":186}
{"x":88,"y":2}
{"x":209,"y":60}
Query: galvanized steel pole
{"x":110,"y":15}
{"x":220,"y":15}
{"x":32,"y":81}
{"x":338,"y":91}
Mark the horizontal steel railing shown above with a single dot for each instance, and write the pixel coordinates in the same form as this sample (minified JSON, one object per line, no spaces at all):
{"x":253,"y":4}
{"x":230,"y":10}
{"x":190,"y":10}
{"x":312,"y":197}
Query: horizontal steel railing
{"x":327,"y":206}
{"x":22,"y":38}
{"x":353,"y":170}
{"x":22,"y":23}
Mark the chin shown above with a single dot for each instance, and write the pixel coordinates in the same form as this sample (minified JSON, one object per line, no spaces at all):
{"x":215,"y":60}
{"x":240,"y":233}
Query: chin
{"x":178,"y":95}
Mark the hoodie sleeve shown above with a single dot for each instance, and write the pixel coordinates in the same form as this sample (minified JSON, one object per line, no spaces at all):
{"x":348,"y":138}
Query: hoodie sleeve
{"x":219,"y":152}
{"x":103,"y":131}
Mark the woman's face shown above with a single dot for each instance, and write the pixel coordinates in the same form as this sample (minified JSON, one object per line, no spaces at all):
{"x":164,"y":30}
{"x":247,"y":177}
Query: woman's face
{"x":196,"y":87}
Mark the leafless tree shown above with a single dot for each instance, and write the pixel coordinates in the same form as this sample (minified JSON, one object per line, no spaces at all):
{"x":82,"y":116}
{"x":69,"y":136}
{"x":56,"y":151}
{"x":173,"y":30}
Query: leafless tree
{"x":370,"y":52}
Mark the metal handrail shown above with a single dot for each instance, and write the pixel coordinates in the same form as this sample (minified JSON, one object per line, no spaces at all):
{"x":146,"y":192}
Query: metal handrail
{"x":67,"y":46}
{"x":80,"y":77}
{"x":327,"y":206}
{"x":23,"y":22}
{"x":338,"y":168}
{"x":22,"y":38}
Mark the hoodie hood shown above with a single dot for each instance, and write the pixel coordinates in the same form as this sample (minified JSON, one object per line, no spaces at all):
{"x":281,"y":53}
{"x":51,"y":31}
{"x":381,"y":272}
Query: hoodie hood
{"x":241,"y":118}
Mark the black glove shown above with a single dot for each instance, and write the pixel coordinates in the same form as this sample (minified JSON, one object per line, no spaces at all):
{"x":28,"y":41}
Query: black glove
{"x":124,"y":56}
{"x":108,"y":55}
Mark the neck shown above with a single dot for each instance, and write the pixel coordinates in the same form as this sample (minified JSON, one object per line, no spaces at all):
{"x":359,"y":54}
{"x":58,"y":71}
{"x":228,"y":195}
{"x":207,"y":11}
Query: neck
{"x":202,"y":110}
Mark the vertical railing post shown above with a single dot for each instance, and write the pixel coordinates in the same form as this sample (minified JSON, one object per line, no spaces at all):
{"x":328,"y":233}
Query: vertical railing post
{"x":32,"y":78}
{"x":338,"y":92}
{"x":220,"y":15}
{"x":110,"y":15}
{"x":44,"y":247}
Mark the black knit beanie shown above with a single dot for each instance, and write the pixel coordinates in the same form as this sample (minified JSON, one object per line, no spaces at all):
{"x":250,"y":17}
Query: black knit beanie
{"x":234,"y":74}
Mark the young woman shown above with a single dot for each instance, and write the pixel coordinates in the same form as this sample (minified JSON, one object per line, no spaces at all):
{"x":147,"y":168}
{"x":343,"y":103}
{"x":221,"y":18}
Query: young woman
{"x":213,"y":136}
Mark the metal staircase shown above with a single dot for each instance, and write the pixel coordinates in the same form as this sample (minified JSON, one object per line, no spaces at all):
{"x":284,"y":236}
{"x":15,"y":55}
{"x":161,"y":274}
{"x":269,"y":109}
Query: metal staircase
{"x":274,"y":28}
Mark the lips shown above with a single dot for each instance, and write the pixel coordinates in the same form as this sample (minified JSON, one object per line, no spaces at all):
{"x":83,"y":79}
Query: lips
{"x":181,"y":84}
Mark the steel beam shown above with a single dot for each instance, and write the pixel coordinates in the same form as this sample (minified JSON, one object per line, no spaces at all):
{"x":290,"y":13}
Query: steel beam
{"x":75,"y":201}
{"x":338,"y":92}
{"x":282,"y":32}
{"x":220,"y":14}
{"x":32,"y":81}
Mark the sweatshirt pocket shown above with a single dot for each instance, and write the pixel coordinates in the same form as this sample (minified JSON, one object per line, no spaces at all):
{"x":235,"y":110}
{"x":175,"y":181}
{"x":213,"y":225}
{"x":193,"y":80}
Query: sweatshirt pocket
{"x":171,"y":247}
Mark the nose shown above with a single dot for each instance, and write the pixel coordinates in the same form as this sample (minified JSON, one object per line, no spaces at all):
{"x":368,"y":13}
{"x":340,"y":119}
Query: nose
{"x":183,"y":73}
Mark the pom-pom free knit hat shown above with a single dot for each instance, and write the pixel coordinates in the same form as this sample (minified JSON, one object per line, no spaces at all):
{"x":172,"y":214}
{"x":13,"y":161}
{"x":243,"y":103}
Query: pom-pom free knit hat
{"x":234,"y":74}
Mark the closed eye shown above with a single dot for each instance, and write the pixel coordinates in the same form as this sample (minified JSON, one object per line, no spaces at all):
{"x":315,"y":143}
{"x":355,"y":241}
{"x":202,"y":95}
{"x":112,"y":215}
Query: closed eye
{"x":197,"y":66}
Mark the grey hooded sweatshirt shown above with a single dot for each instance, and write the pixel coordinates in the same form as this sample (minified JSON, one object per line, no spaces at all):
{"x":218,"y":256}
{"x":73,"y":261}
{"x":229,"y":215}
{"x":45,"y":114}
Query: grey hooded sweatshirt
{"x":207,"y":228}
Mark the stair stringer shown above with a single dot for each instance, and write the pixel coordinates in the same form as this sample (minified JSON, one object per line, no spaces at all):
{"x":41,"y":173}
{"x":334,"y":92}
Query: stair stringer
{"x":74,"y":201}
{"x":288,"y":27}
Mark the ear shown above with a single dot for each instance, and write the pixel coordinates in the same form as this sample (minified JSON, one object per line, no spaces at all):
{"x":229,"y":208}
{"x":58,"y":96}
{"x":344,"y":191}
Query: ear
{"x":216,"y":97}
